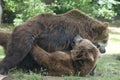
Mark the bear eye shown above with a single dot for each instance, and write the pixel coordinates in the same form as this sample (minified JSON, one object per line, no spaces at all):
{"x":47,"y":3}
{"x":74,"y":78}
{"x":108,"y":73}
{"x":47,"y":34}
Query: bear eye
{"x":77,"y":52}
{"x":98,"y":45}
{"x":81,"y":51}
{"x":80,"y":54}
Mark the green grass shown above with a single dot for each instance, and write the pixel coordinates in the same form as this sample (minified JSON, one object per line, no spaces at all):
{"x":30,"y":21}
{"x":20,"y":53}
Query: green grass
{"x":108,"y":67}
{"x":1,"y":52}
{"x":6,"y":27}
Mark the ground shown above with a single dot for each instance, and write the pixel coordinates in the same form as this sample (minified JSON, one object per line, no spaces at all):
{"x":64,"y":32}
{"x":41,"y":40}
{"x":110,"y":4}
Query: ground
{"x":108,"y":66}
{"x":114,"y":41}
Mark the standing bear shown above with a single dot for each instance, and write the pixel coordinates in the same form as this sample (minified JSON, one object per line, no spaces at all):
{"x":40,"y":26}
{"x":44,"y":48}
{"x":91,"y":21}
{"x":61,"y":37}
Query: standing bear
{"x":78,"y":61}
{"x":51,"y":33}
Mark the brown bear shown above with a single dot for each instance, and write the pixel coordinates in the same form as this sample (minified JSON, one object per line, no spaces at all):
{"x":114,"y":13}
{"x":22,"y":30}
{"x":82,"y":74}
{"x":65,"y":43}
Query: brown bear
{"x":78,"y":61}
{"x":4,"y":37}
{"x":52,"y":33}
{"x":25,"y":64}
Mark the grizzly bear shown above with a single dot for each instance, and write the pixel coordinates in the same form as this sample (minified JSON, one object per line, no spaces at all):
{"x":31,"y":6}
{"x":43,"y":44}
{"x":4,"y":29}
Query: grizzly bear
{"x":78,"y":61}
{"x":51,"y":33}
{"x":4,"y":36}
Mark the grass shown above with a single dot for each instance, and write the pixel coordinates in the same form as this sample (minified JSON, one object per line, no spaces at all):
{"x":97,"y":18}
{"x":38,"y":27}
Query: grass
{"x":108,"y":67}
{"x":1,"y":52}
{"x":6,"y":27}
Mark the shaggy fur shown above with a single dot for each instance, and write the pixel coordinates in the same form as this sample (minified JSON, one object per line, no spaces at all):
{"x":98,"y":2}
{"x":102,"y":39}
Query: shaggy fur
{"x":79,"y":61}
{"x":52,"y":33}
{"x":27,"y":63}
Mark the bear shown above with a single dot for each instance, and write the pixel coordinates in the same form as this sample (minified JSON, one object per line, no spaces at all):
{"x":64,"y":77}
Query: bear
{"x":4,"y":36}
{"x":51,"y":33}
{"x":24,"y":65}
{"x":78,"y":61}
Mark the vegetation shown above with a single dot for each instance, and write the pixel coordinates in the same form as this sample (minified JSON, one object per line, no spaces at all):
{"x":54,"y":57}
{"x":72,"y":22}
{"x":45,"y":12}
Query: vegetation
{"x":21,"y":10}
{"x":25,"y":9}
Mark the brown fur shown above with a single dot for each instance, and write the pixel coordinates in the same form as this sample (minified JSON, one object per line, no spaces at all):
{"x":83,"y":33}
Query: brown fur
{"x":88,"y":53}
{"x":81,"y":59}
{"x":52,"y":33}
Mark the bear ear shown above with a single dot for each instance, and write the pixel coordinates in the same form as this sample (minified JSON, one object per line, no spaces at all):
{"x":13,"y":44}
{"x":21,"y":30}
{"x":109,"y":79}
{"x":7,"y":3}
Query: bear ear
{"x":106,"y":24}
{"x":77,"y":38}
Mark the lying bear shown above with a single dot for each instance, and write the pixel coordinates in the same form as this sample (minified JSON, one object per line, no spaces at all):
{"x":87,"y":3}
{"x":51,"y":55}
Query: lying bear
{"x":51,"y":33}
{"x":78,"y":61}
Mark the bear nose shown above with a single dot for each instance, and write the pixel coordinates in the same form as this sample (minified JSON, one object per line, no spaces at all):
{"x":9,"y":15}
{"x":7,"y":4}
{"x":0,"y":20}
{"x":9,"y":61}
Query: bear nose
{"x":101,"y":48}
